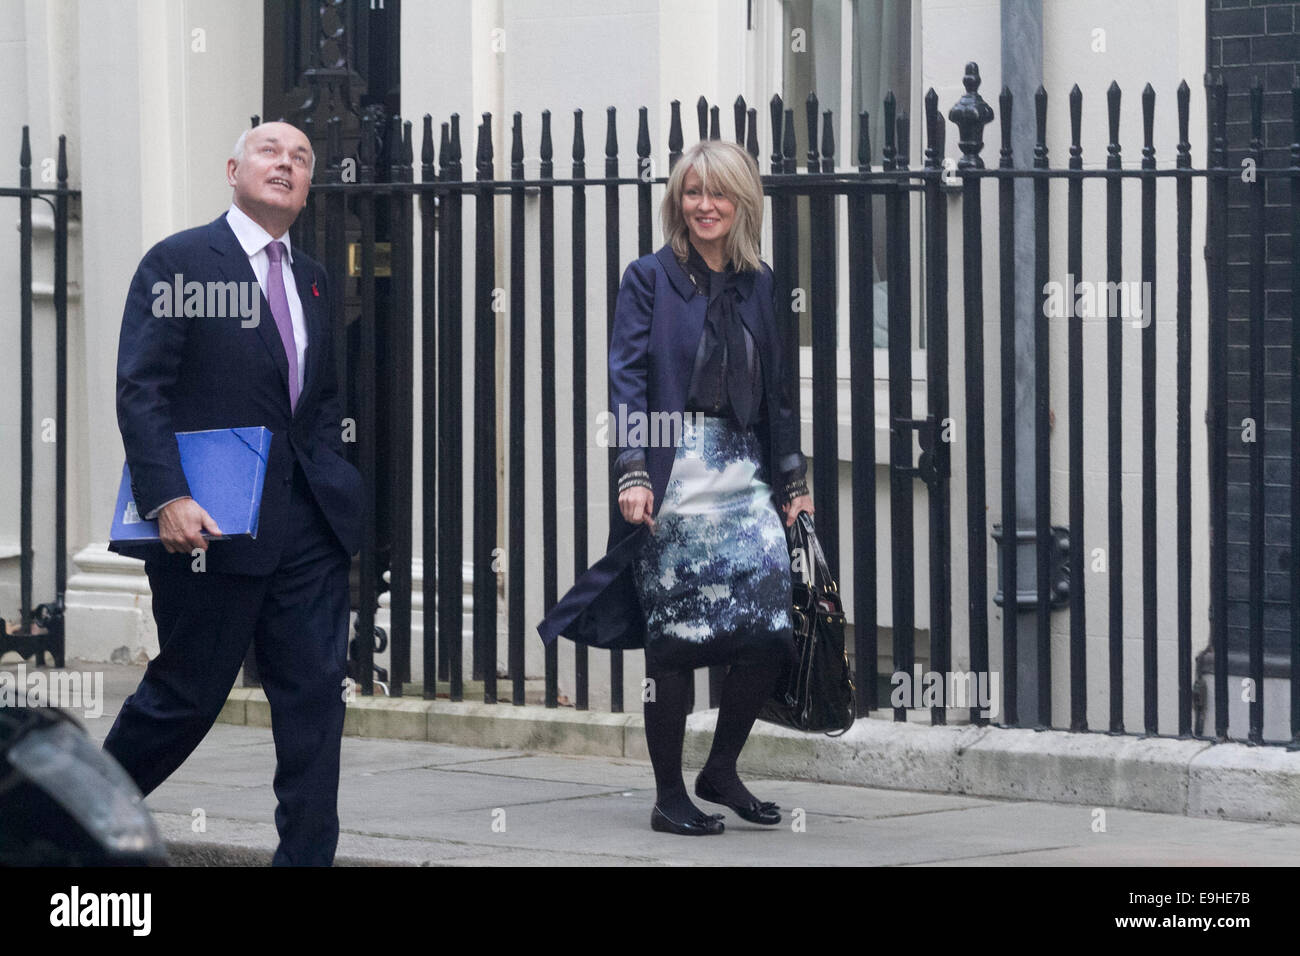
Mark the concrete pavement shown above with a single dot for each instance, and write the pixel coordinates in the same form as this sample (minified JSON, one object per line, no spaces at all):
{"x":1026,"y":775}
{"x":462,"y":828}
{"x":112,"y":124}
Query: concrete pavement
{"x":425,"y":803}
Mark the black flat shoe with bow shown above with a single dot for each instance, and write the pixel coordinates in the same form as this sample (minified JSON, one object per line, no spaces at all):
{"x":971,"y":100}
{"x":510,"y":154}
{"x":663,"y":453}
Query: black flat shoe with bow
{"x":702,"y":824}
{"x":761,"y":812}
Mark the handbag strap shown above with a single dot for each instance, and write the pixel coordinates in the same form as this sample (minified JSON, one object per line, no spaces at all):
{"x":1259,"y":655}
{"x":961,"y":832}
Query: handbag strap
{"x":819,"y":575}
{"x":798,"y":540}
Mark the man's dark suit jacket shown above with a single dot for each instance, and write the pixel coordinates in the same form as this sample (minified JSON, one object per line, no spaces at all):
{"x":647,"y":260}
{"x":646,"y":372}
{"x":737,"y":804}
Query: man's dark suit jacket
{"x":179,"y":374}
{"x":658,"y":321}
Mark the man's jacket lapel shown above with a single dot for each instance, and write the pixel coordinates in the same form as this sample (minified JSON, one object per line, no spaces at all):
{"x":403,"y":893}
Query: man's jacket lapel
{"x":234,"y":266}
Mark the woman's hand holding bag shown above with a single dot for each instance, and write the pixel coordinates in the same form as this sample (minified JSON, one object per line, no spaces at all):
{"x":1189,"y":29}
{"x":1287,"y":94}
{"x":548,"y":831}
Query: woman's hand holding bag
{"x":637,"y":506}
{"x":797,"y":506}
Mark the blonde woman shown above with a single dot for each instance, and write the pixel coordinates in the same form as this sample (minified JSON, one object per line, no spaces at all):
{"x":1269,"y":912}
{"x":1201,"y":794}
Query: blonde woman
{"x":697,"y":569}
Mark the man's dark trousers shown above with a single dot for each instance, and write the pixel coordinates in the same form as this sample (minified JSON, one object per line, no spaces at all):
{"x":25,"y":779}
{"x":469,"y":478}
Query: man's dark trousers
{"x":297,"y":619}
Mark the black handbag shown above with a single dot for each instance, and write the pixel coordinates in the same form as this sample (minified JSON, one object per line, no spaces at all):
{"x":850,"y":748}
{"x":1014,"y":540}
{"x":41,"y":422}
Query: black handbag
{"x":816,"y":693}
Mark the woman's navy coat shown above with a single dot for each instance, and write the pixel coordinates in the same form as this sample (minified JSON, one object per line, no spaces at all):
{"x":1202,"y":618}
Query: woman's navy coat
{"x":658,"y":321}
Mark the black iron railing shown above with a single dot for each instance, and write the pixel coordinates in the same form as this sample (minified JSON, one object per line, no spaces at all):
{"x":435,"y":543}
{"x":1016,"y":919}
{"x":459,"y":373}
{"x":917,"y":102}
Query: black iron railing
{"x":871,"y":199}
{"x":39,"y":629}
{"x":1059,"y":577}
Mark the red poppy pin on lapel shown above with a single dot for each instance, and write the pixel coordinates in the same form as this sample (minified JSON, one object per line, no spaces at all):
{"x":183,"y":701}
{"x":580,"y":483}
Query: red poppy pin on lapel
{"x":315,"y":291}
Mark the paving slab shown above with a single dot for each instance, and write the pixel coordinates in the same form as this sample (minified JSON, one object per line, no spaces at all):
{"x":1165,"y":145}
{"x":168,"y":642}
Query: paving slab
{"x":607,"y":772}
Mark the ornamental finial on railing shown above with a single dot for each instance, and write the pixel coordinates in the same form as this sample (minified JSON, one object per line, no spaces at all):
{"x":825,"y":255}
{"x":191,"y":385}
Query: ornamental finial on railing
{"x":643,"y":139}
{"x":426,"y":147}
{"x":579,"y":146}
{"x":674,"y":134}
{"x":517,"y":145}
{"x":777,"y":108}
{"x":788,"y":143}
{"x":484,"y":154}
{"x":546,"y":151}
{"x":971,"y":114}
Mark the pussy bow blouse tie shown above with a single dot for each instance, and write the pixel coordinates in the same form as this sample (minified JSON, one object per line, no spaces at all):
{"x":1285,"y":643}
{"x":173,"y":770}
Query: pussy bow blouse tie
{"x":726,"y":325}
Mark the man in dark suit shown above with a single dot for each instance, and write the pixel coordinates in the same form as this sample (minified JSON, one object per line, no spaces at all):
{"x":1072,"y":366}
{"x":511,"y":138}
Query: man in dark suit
{"x":286,"y":590}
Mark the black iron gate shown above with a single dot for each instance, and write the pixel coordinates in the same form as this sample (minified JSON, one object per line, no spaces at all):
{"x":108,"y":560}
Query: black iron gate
{"x":331,"y":68}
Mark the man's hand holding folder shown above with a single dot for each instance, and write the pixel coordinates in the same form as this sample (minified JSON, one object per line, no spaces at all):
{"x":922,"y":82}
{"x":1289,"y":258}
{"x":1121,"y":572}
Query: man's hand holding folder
{"x":181,"y":524}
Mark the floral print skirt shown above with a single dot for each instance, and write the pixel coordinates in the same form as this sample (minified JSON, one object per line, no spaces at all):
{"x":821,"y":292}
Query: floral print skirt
{"x":714,"y":576}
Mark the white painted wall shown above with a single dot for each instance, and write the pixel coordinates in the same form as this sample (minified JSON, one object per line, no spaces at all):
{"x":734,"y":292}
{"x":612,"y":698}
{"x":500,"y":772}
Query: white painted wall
{"x":1160,"y":42}
{"x":150,"y":120}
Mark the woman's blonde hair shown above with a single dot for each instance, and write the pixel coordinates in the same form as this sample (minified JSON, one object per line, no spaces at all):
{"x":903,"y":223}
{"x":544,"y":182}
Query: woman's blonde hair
{"x":727,"y":169}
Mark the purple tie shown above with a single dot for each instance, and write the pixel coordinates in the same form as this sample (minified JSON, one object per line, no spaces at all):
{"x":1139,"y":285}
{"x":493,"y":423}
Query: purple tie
{"x":275,"y":294}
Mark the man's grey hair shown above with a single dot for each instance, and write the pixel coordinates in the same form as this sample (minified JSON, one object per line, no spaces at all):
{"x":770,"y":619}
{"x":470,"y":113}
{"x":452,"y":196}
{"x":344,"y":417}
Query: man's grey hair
{"x":237,"y":154}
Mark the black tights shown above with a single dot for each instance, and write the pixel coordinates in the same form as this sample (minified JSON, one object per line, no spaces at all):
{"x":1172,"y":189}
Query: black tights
{"x":744,"y":690}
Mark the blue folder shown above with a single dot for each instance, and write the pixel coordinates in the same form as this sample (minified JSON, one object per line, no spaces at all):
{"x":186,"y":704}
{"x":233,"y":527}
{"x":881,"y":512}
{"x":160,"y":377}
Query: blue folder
{"x":225,"y":469}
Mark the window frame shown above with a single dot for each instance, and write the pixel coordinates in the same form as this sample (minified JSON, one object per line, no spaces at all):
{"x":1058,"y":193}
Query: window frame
{"x":764,"y":72}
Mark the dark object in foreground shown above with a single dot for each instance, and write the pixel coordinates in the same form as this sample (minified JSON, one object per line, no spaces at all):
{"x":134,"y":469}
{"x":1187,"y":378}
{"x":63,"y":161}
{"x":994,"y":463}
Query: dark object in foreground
{"x":816,"y":694}
{"x":64,"y":802}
